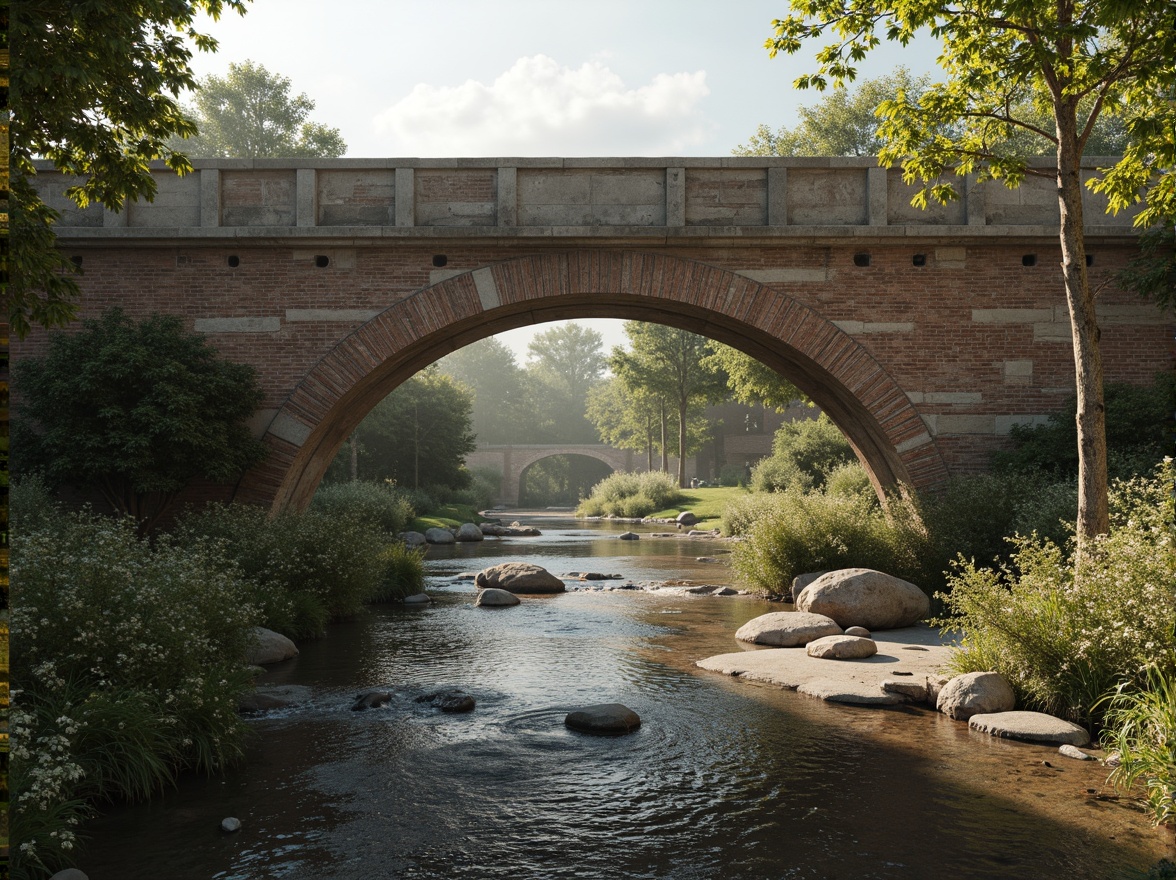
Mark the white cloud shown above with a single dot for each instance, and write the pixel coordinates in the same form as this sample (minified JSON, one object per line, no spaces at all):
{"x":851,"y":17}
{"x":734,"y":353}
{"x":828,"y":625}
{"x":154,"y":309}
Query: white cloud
{"x":540,"y":108}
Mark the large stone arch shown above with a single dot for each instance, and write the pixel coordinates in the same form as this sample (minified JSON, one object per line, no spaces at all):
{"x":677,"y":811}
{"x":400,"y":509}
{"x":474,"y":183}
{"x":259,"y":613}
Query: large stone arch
{"x":513,"y":461}
{"x":819,"y":358}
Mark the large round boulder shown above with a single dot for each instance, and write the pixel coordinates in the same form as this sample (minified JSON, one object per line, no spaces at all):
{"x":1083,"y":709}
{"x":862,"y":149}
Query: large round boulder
{"x":269,"y":647}
{"x":608,"y":719}
{"x":787,"y":629}
{"x":841,"y":648}
{"x":468,"y":532}
{"x":519,"y":577}
{"x":686,"y":518}
{"x":864,"y":597}
{"x":439,"y":536}
{"x":975,"y":693}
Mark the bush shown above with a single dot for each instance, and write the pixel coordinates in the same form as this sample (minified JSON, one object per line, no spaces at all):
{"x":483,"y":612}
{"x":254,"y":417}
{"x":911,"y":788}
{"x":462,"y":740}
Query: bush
{"x":631,"y":495}
{"x":403,"y":572}
{"x":1062,"y":640}
{"x":307,"y":568}
{"x":804,"y":453}
{"x":742,"y":513}
{"x":1141,"y":728}
{"x":850,"y":479}
{"x":733,"y":475}
{"x":130,"y":669}
{"x":377,"y":504}
{"x":801,"y":532}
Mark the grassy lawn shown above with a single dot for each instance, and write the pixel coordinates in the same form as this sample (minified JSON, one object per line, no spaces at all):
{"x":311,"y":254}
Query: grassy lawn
{"x":447,"y":516}
{"x":706,"y":504}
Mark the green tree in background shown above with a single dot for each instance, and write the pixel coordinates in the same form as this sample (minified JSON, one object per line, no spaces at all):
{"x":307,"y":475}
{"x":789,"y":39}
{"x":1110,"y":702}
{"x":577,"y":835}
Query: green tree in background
{"x":751,"y":382}
{"x":842,"y":123}
{"x":250,"y":113}
{"x":502,"y":410}
{"x":566,"y":361}
{"x":94,"y":90}
{"x":668,"y":363}
{"x":1067,"y":62}
{"x":418,"y":436}
{"x":135,"y":411}
{"x":628,"y":418}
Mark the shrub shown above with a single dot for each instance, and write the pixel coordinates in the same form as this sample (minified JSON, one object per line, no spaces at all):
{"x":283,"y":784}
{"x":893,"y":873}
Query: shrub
{"x":733,"y":475}
{"x":778,"y":474}
{"x":1061,"y":639}
{"x":307,"y":568}
{"x":740,"y":514}
{"x":802,"y":532}
{"x":403,"y":572}
{"x":1141,"y":728}
{"x":130,"y":669}
{"x":850,"y":479}
{"x":813,"y":448}
{"x":631,"y":495}
{"x":377,"y":504}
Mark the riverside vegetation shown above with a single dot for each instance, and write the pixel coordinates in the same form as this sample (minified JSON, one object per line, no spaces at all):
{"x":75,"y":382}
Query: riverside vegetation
{"x":130,"y":665}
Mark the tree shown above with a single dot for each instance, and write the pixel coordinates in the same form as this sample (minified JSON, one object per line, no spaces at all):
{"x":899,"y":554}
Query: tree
{"x":567,"y":360}
{"x":667,"y":363}
{"x":501,"y":411}
{"x":418,"y":436}
{"x":626,"y":418}
{"x":1069,"y":61}
{"x":250,"y":113}
{"x":842,"y":123}
{"x":94,"y":89}
{"x":750,"y":381}
{"x":135,"y":411}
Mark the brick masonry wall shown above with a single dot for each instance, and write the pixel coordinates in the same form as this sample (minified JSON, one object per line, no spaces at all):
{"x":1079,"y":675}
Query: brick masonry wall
{"x":957,"y":349}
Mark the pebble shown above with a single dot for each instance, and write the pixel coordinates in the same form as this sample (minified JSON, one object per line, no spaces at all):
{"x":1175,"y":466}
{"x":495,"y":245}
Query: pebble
{"x":1074,"y":752}
{"x":230,"y":824}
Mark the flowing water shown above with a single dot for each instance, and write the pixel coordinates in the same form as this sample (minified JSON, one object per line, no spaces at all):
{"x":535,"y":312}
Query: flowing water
{"x":724,"y":779}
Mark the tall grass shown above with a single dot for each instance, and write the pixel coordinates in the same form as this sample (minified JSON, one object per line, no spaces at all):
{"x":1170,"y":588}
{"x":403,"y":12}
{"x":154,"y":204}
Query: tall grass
{"x":129,"y":670}
{"x":1064,"y":635}
{"x":631,"y":495}
{"x":378,"y":504}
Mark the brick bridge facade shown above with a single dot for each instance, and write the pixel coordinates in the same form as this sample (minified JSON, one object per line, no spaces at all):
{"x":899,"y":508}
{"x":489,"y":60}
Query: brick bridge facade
{"x":924,"y":335}
{"x":513,"y":461}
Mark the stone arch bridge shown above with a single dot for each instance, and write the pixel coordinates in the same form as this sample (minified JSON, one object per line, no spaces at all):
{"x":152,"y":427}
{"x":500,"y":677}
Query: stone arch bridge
{"x":924,"y":335}
{"x":513,"y":460}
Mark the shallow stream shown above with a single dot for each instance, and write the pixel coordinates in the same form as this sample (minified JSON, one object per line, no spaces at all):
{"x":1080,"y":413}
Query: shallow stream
{"x":724,"y":779}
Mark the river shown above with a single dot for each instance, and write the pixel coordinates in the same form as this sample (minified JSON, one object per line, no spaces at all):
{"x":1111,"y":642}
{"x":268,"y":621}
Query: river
{"x":724,"y":779}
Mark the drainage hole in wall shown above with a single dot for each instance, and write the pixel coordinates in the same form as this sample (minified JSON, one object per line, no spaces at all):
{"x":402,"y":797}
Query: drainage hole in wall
{"x":919,"y":259}
{"x":861,"y":259}
{"x":440,"y":260}
{"x":321,"y":261}
{"x":234,"y":261}
{"x":1029,"y":260}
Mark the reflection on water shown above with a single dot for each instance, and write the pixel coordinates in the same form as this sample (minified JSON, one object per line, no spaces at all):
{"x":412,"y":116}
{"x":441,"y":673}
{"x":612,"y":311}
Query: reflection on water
{"x":723,"y":780}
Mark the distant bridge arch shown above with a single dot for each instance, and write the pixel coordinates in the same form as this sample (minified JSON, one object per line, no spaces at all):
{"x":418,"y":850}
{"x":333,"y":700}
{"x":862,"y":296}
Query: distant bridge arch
{"x":512,"y":460}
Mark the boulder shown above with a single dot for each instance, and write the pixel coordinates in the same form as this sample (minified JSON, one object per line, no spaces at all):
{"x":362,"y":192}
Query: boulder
{"x":439,"y":536}
{"x":468,"y":532}
{"x":975,"y":693}
{"x":413,"y":539}
{"x":608,"y":719}
{"x":915,"y":689}
{"x":864,"y":597}
{"x":519,"y":577}
{"x":787,"y":629}
{"x":269,"y":647}
{"x":1030,"y":727}
{"x":628,"y":536}
{"x":371,"y":700}
{"x":1077,"y":754}
{"x":801,"y":581}
{"x":492,"y":597}
{"x":858,"y":631}
{"x":686,"y":518}
{"x":841,"y":648}
{"x":70,"y":874}
{"x":449,"y":701}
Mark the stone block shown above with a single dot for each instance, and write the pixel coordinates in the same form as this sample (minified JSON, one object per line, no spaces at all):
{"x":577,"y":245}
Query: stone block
{"x":785,"y":276}
{"x":958,"y":397}
{"x":1017,"y":372}
{"x":1011,"y":316}
{"x":238,"y":325}
{"x":827,"y":197}
{"x":1052,"y":332}
{"x":953,"y":424}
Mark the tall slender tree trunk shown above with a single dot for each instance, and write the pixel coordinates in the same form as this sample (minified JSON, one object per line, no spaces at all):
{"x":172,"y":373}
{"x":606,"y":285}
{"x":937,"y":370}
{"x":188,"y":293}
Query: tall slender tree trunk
{"x":683,"y":405}
{"x":665,"y":445}
{"x":1093,"y":516}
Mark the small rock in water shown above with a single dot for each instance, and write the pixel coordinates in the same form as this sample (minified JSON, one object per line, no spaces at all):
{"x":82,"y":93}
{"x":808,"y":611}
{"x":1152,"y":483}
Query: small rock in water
{"x":449,"y":701}
{"x":705,"y":559}
{"x":492,"y":597}
{"x":69,"y":874}
{"x":230,"y":824}
{"x":1074,"y":752}
{"x":418,"y":599}
{"x":628,"y":536}
{"x":371,"y":700}
{"x":608,"y":719}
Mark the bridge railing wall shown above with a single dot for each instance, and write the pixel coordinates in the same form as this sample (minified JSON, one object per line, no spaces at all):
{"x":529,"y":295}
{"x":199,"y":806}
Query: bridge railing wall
{"x":465,"y":196}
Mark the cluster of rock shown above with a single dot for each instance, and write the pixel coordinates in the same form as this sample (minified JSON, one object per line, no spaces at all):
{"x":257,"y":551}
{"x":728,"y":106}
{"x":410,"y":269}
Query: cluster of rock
{"x":467,"y":533}
{"x":836,"y":611}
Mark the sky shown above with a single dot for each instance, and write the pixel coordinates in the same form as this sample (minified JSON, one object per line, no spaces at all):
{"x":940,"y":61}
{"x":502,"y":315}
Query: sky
{"x":456,"y":78}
